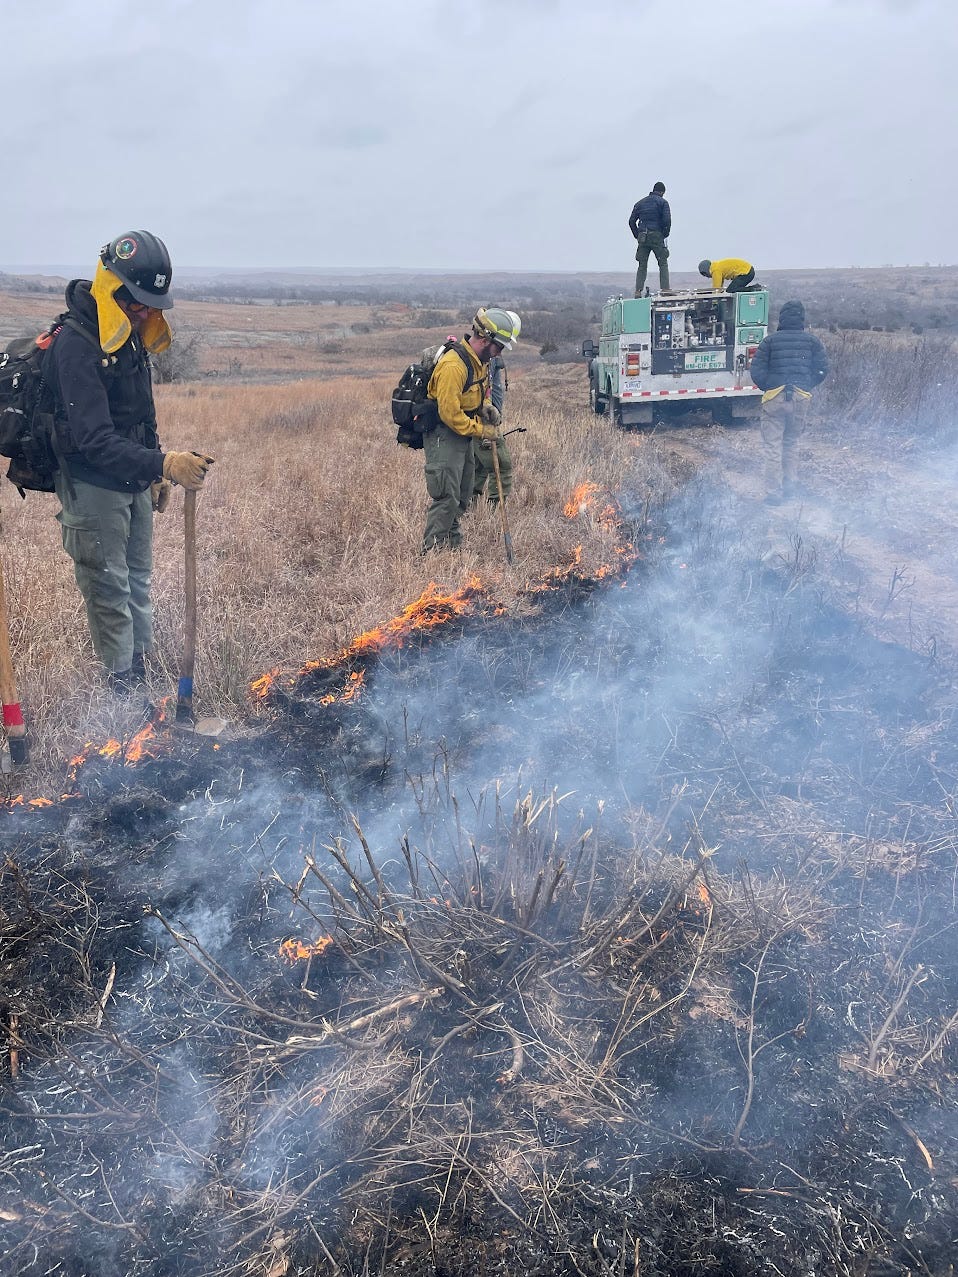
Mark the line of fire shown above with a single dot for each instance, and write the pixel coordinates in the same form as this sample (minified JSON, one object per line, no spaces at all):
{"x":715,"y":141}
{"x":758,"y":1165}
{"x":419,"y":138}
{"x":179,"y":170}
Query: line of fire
{"x":612,"y":934}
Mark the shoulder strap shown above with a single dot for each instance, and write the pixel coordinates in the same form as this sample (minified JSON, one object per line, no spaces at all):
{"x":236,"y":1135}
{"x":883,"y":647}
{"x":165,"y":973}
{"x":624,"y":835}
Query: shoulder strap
{"x":460,"y":350}
{"x":69,"y":322}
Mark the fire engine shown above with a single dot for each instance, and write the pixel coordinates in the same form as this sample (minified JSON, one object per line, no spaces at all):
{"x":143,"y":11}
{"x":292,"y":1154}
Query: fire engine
{"x":661,"y":355}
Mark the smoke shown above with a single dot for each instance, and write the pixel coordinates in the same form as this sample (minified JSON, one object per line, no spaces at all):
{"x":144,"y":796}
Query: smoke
{"x":705,"y":684}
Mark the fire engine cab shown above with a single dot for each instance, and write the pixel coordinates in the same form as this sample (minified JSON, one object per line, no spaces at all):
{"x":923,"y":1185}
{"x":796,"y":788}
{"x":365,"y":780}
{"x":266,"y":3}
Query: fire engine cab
{"x":662,"y":355}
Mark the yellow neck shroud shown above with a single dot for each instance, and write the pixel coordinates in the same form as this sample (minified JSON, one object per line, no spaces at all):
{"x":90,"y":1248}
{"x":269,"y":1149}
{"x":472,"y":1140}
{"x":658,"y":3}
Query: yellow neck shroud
{"x":115,"y":327}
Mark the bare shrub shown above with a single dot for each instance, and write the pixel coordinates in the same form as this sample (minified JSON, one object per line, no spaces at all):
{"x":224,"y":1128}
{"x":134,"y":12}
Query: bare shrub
{"x":182,"y":361}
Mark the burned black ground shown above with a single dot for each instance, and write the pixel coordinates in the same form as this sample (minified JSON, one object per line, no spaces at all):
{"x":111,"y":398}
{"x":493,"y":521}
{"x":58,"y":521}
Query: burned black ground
{"x":644,"y":958}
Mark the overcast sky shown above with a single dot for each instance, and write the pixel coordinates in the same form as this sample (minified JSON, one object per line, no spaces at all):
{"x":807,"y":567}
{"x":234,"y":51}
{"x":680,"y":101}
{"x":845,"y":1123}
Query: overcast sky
{"x":453,"y":134}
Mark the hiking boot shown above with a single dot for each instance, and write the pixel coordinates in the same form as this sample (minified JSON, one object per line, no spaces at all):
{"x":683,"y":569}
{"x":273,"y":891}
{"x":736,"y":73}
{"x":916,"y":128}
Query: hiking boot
{"x":120,"y":682}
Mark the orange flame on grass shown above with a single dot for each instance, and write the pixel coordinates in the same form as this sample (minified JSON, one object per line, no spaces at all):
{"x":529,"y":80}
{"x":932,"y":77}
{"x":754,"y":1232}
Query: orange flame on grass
{"x":432,"y":609}
{"x":354,"y":685}
{"x":296,"y":951}
{"x":581,"y":499}
{"x":260,"y":686}
{"x":705,"y":895}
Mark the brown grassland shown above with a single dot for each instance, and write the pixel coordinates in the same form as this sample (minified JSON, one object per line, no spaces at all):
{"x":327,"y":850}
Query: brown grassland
{"x":309,"y":528}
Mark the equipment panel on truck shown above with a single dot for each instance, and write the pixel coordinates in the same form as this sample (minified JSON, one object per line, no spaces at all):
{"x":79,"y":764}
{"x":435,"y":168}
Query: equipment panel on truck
{"x":672,"y":351}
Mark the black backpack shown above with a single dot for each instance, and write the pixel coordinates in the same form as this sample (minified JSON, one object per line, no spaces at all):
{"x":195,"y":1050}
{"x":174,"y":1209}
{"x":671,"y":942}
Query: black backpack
{"x":28,"y":434}
{"x":413,"y":411}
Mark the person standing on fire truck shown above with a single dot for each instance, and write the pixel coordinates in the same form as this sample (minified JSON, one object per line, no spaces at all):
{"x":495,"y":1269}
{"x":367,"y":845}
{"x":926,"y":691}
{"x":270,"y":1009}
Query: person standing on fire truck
{"x":113,"y":474}
{"x":788,"y":365}
{"x":650,"y":223}
{"x":485,"y":472}
{"x":458,"y":387}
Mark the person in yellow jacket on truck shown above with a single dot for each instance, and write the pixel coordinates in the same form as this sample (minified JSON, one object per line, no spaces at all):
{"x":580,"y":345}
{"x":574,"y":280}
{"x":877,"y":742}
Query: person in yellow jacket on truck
{"x":735,"y":270}
{"x":458,"y":388}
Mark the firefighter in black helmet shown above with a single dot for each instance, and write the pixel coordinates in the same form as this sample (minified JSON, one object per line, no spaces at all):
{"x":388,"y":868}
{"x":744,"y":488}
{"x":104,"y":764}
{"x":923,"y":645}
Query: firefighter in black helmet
{"x":142,"y":262}
{"x":113,"y":473}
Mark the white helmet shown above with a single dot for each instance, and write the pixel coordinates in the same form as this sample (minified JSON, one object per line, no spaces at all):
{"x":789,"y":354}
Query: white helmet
{"x":498,"y":325}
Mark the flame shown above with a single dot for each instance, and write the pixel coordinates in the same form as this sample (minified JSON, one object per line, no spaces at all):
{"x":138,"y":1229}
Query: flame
{"x":433,"y":608}
{"x":137,"y":748}
{"x":260,"y":686}
{"x":581,"y":499}
{"x":705,"y":895}
{"x":296,"y":951}
{"x":354,"y":685}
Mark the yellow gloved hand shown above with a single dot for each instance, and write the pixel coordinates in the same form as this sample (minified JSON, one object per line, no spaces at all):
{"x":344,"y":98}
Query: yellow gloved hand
{"x":160,"y":491}
{"x":490,"y":415}
{"x":188,"y":469}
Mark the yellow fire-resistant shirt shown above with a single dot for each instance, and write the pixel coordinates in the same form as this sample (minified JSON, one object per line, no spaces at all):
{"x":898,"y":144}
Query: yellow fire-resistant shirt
{"x":728,"y":268}
{"x":446,"y":387}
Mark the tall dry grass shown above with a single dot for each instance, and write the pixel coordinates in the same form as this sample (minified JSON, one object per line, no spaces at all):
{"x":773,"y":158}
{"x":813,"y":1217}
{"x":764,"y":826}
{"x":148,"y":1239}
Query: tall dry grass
{"x":308,"y":534}
{"x":903,"y":385}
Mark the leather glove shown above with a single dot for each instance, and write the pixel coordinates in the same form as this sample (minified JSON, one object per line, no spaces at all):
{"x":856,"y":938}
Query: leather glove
{"x":490,"y":415}
{"x":188,"y":469}
{"x":160,"y":491}
{"x":492,"y":433}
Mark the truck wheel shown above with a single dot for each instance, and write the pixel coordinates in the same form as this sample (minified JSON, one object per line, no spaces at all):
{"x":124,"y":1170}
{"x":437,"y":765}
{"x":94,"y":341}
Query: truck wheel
{"x":596,"y":401}
{"x":615,"y":415}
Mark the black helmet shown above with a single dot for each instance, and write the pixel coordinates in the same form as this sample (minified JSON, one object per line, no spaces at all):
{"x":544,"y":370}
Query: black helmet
{"x":141,"y":261}
{"x":705,"y":266}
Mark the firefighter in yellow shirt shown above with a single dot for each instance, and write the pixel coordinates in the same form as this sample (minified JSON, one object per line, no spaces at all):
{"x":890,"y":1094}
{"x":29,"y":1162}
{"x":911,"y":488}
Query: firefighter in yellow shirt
{"x":458,"y":388}
{"x":738,"y":273}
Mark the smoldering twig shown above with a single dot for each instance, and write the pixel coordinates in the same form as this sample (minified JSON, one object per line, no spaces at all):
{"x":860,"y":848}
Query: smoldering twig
{"x":891,"y":1017}
{"x":951,"y":1024}
{"x":518,"y":1053}
{"x":365,"y":899}
{"x":123,"y":1226}
{"x":752,"y":1051}
{"x":105,"y":996}
{"x":361,"y":1022}
{"x":230,"y":988}
{"x":918,"y":1142}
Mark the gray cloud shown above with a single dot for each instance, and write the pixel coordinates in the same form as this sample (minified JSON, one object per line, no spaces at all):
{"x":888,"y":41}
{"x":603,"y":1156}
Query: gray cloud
{"x":325,"y":134}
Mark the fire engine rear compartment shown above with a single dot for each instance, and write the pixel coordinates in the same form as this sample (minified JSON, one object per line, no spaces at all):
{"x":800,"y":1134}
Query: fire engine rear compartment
{"x":694,"y":336}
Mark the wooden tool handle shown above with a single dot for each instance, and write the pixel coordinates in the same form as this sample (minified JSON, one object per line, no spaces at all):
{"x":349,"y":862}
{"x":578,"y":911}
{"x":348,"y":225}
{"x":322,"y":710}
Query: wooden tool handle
{"x":12,"y":715}
{"x":506,"y":535}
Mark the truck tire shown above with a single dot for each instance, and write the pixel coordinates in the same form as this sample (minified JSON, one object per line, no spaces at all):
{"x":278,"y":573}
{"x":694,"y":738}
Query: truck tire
{"x":615,"y":414}
{"x":596,"y":402}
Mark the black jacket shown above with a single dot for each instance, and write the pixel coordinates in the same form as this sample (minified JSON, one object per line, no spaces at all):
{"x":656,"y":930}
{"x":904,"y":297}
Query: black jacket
{"x":104,"y":403}
{"x":791,"y":356}
{"x":652,"y":213}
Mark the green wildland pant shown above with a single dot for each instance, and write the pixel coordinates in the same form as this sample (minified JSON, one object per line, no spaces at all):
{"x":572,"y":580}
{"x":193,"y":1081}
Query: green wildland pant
{"x":485,"y":471}
{"x":651,"y":242}
{"x":782,"y":424}
{"x":109,"y":537}
{"x":450,"y":469}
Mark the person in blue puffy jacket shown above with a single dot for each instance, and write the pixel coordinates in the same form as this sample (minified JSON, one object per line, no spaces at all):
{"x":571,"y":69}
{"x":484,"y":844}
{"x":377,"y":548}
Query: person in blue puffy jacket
{"x":787,"y":366}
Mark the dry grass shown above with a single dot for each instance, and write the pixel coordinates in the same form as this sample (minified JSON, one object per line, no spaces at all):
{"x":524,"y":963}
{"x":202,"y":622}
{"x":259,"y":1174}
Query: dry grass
{"x":308,"y":532}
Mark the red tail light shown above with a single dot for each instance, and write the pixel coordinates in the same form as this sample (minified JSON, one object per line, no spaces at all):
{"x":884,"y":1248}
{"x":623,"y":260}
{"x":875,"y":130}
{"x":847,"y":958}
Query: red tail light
{"x":750,"y":354}
{"x":632,"y":365}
